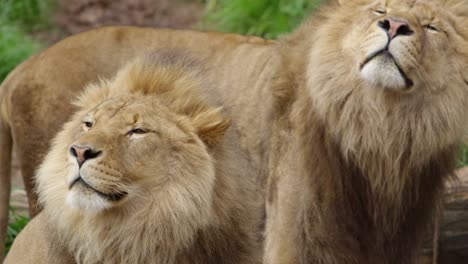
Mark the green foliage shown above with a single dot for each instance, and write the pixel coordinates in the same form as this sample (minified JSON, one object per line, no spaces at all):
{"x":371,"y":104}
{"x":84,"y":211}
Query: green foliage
{"x":18,"y":222}
{"x":28,"y":14}
{"x":265,"y":18}
{"x":17,"y":17}
{"x":463,"y":159}
{"x":15,"y":47}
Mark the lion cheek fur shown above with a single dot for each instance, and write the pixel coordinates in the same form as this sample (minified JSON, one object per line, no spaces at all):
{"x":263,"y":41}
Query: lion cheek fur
{"x":165,"y":221}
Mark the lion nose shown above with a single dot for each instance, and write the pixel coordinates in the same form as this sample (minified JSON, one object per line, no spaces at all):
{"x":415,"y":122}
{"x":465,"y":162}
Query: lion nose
{"x":83,"y":153}
{"x":395,"y":27}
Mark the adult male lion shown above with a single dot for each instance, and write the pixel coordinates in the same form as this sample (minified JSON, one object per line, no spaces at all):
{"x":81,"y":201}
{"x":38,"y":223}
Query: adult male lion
{"x":368,"y":130}
{"x":363,"y":107}
{"x":147,"y":171}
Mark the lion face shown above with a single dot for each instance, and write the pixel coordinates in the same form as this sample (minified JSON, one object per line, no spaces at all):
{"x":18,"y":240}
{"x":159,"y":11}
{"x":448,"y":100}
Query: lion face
{"x":129,"y":147}
{"x":389,"y":78}
{"x":405,"y":45}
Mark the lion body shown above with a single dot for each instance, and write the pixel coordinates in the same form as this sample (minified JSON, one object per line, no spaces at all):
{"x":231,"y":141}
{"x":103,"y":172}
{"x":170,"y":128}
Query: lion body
{"x":178,"y":190}
{"x":355,"y":161}
{"x":72,"y":63}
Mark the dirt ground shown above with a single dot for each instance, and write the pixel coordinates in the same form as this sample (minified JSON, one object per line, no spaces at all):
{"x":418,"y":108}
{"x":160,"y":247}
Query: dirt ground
{"x":75,"y":16}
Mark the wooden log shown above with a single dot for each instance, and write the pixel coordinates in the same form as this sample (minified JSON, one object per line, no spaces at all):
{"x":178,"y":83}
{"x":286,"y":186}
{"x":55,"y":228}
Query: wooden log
{"x":447,"y":242}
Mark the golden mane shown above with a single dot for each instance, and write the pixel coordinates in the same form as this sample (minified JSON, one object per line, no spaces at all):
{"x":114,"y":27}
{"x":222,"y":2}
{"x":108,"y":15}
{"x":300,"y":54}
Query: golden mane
{"x":197,"y":215}
{"x":371,"y":161}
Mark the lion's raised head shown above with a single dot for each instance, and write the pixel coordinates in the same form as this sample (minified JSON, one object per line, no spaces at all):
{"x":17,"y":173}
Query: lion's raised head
{"x":389,"y":79}
{"x":404,"y":45}
{"x":139,"y":166}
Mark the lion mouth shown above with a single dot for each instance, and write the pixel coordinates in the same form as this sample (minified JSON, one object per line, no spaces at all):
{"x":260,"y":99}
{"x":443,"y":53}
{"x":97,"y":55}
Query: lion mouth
{"x":389,"y":55}
{"x":114,"y":197}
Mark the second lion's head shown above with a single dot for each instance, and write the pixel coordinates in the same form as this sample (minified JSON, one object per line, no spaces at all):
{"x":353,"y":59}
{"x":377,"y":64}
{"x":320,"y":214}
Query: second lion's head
{"x":389,"y":77}
{"x":136,"y":161}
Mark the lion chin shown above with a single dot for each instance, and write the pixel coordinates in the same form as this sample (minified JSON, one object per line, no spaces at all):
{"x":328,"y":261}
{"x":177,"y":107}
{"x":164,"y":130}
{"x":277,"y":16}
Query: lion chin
{"x":382,"y":70}
{"x":84,"y":197}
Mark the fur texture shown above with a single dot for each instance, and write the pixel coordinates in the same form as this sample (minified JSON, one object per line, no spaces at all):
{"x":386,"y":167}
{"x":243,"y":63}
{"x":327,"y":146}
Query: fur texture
{"x":168,"y":184}
{"x":359,"y":158}
{"x":356,"y":155}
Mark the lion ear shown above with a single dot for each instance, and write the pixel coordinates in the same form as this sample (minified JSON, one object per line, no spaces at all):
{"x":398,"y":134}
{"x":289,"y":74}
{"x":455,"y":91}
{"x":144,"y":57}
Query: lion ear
{"x":211,"y":126}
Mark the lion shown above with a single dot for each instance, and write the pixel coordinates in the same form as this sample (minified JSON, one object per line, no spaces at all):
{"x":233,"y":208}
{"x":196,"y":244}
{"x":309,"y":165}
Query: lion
{"x":368,"y":132}
{"x":351,"y":122}
{"x":36,"y":96}
{"x":146,"y":171}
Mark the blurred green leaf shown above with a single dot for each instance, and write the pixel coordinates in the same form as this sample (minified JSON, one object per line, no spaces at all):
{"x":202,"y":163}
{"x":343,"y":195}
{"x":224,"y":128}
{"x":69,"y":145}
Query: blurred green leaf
{"x":17,"y":19}
{"x":27,"y":14}
{"x":265,"y":18}
{"x":15,"y":46}
{"x":463,"y":158}
{"x":18,"y":222}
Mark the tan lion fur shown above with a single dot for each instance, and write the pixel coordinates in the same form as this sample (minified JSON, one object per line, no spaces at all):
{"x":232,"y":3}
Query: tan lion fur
{"x":354,"y":171}
{"x":361,"y":166}
{"x":191,"y":195}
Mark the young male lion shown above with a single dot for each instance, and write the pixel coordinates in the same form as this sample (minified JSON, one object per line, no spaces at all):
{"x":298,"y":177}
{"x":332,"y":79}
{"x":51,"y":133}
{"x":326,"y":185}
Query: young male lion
{"x":146,"y":171}
{"x":355,"y":116}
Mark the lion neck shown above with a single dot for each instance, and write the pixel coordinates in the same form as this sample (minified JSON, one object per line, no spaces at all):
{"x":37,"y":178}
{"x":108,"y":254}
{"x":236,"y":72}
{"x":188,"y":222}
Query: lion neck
{"x":172,"y":225}
{"x":121,"y":237}
{"x":377,"y":208}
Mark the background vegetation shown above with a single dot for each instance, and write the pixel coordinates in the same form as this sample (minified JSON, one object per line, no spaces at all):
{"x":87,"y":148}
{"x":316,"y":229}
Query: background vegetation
{"x":265,"y":18}
{"x":17,"y":223}
{"x":463,"y":159}
{"x":17,"y":19}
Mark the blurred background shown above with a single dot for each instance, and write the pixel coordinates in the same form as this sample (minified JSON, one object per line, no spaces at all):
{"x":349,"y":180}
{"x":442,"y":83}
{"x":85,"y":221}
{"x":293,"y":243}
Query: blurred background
{"x":28,"y":26}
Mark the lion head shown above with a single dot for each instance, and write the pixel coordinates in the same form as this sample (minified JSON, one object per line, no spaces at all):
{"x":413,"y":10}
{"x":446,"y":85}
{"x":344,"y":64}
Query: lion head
{"x":405,"y":46}
{"x":389,"y":80}
{"x":134,"y":176}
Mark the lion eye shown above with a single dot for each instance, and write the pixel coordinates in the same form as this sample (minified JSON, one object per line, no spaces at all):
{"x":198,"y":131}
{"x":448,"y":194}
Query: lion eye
{"x":87,"y":125}
{"x":137,"y":131}
{"x":380,"y":11}
{"x":431,"y":28}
